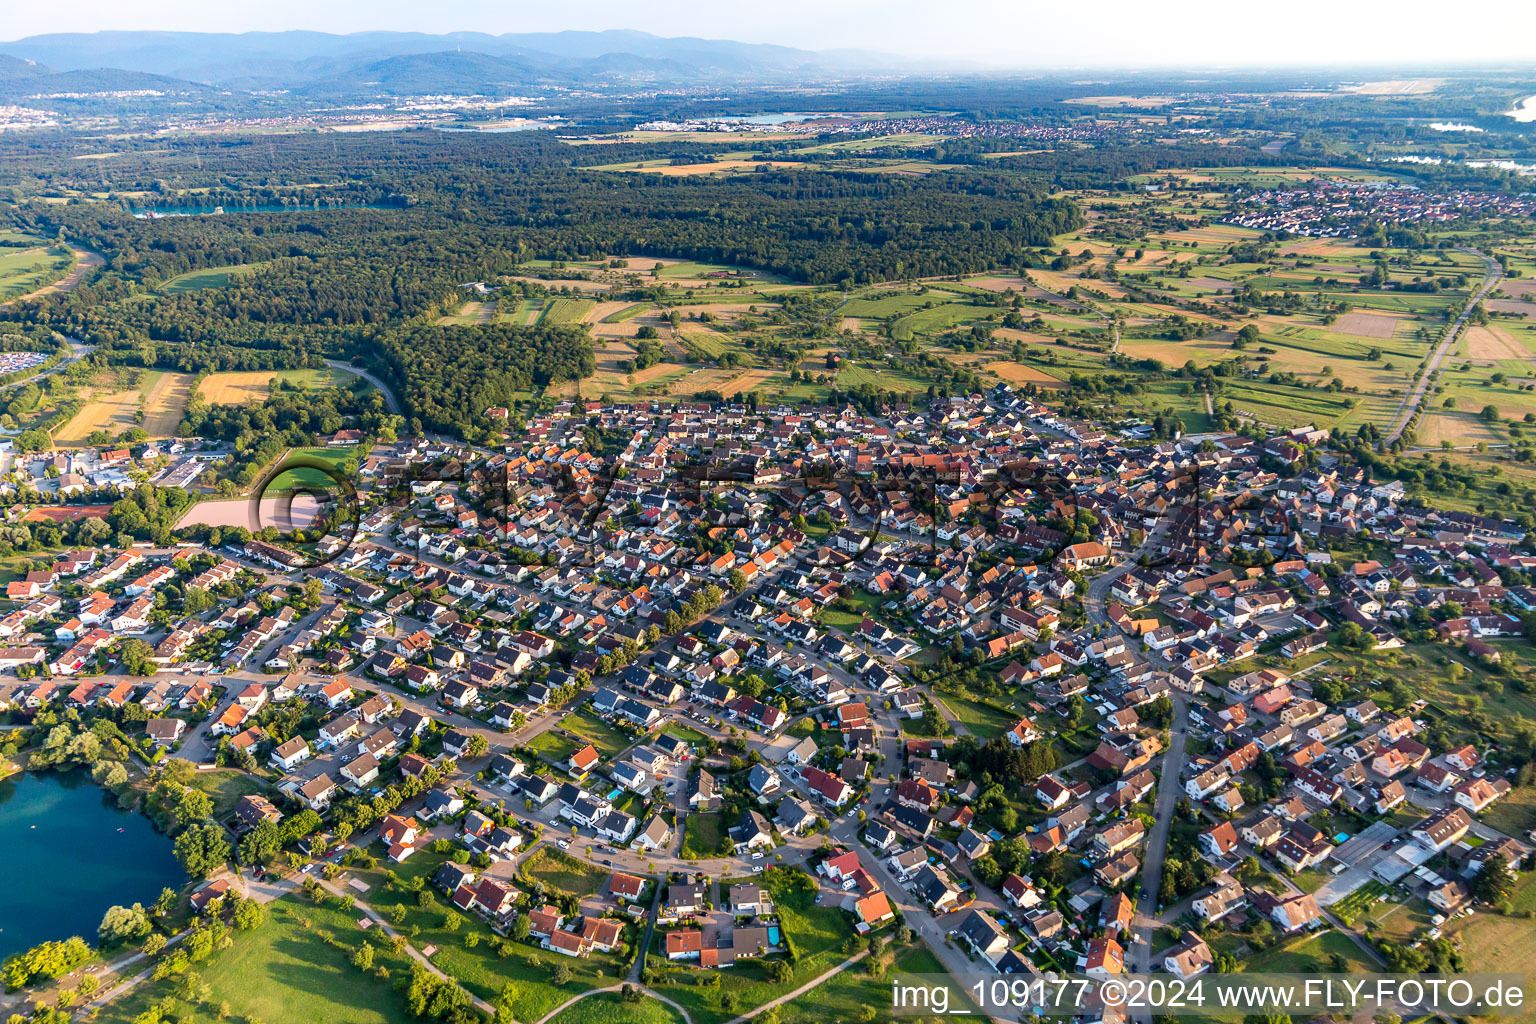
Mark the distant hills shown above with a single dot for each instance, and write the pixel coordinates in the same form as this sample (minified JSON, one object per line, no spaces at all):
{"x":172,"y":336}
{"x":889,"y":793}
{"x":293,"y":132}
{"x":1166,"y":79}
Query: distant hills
{"x":369,"y":63}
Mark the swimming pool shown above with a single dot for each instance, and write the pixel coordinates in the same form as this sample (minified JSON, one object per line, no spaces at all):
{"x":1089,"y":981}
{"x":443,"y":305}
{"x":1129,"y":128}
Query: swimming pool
{"x":773,"y":935}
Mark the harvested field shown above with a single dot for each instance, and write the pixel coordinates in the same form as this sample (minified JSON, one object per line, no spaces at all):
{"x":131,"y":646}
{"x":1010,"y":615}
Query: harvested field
{"x":165,"y":403}
{"x":999,"y":283}
{"x":713,"y":167}
{"x":1519,"y":287}
{"x":1366,"y":325}
{"x":239,"y":388}
{"x":577,"y":285}
{"x":1493,"y":343}
{"x":1457,"y":427}
{"x":1017,"y":373}
{"x":603,"y":310}
{"x":1210,"y":284}
{"x":650,"y":373}
{"x":1219,"y":234}
{"x":1510,"y":306}
{"x":704,"y":380}
{"x":162,"y":397}
{"x":472,"y":312}
{"x":747,"y":381}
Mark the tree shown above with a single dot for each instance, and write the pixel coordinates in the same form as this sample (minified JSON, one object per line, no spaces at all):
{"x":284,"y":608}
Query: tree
{"x":362,"y":957}
{"x":134,"y":654}
{"x":261,"y":844}
{"x":193,"y":806}
{"x":123,"y":924}
{"x":249,"y":914}
{"x":1494,"y":882}
{"x":202,"y":848}
{"x":477,"y":747}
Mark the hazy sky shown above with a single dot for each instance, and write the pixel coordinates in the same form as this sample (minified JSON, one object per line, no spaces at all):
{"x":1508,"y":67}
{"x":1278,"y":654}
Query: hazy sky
{"x":1017,"y":32}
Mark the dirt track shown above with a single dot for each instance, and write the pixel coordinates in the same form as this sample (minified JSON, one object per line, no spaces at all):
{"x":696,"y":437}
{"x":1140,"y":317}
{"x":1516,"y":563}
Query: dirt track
{"x":85,"y":262}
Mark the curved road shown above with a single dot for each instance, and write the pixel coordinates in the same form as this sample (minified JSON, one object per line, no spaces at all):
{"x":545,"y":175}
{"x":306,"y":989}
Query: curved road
{"x":390,"y":402}
{"x":79,"y":350}
{"x":1415,"y":397}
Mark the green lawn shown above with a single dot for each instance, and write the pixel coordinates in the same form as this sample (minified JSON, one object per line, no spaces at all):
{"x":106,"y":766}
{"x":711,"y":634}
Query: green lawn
{"x":284,"y":973}
{"x":552,"y":746}
{"x":609,"y":741}
{"x":559,"y":870}
{"x":1514,"y":814}
{"x":983,"y":720}
{"x":1494,"y":943}
{"x":23,"y":271}
{"x":210,"y":277}
{"x":686,"y":733}
{"x":1307,"y":954}
{"x":610,"y":1008}
{"x":226,"y":786}
{"x":817,"y":933}
{"x":844,"y":996}
{"x":339,"y":459}
{"x":480,"y":968}
{"x":701,"y":836}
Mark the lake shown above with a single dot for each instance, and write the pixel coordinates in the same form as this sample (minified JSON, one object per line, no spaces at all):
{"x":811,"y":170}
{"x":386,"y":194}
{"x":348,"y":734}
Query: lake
{"x":69,"y":853}
{"x":152,"y":212}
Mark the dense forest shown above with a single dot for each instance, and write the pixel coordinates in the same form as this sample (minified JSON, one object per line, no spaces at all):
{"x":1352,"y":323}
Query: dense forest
{"x":405,"y":220}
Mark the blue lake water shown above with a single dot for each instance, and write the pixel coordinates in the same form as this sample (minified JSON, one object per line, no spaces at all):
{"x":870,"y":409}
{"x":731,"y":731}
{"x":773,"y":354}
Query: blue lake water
{"x":68,"y":853}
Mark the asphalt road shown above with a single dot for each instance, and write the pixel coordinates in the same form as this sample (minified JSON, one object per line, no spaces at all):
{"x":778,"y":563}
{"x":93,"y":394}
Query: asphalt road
{"x":1416,"y":396}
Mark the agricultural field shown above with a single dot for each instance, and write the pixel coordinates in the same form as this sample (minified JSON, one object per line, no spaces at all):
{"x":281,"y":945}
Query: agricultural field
{"x":566,"y":311}
{"x":156,"y":403}
{"x":242,"y":388}
{"x":470,"y":313}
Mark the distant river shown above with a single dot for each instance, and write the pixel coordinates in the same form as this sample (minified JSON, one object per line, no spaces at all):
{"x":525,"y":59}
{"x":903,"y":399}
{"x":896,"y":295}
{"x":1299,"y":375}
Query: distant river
{"x":68,"y":853}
